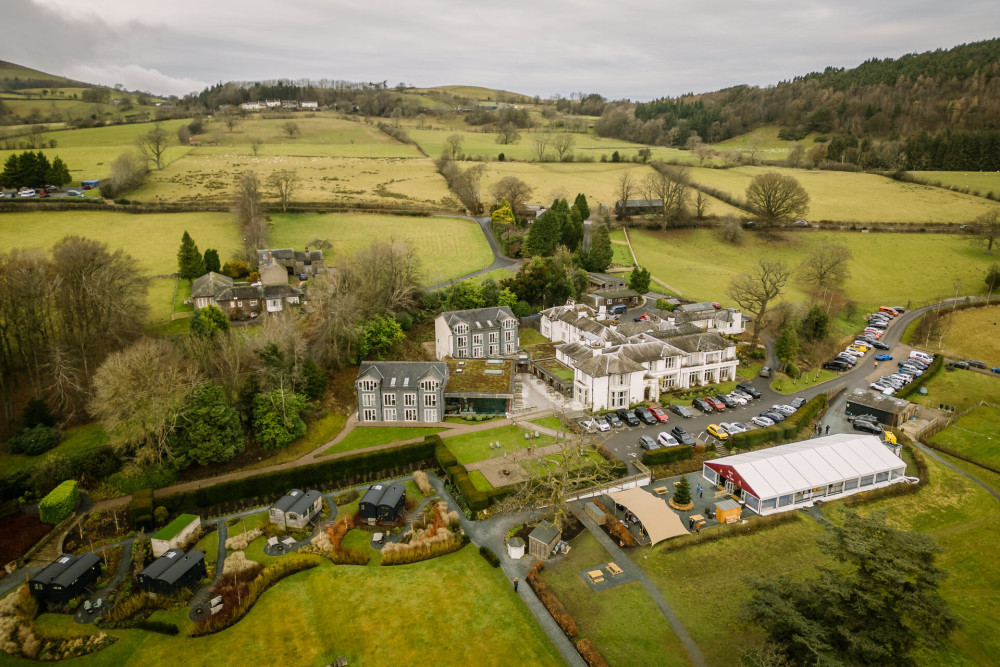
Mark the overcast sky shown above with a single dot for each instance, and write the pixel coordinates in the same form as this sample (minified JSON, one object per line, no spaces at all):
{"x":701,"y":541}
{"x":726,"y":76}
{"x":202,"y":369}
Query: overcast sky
{"x":618,"y":48}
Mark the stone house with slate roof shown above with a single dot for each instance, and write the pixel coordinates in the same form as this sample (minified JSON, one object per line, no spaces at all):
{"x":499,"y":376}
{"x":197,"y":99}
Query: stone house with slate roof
{"x":242,"y":301}
{"x":295,"y":262}
{"x":476,"y":333}
{"x":401,"y":391}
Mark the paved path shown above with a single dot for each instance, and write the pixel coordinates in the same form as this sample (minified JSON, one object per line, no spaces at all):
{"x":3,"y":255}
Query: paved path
{"x":934,"y":455}
{"x":81,"y":615}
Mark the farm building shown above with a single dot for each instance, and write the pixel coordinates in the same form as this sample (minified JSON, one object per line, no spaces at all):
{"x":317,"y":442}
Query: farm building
{"x":889,"y":410}
{"x":368,"y":507}
{"x":172,"y":571}
{"x":175,"y":533}
{"x":790,"y":476}
{"x":295,"y":509}
{"x":65,"y":578}
{"x":391,"y":502}
{"x":543,"y":539}
{"x":613,"y":297}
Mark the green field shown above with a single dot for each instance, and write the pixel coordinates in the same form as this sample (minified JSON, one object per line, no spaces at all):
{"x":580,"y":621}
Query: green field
{"x":447,"y":247}
{"x":701,"y":267}
{"x":972,"y":334}
{"x":982,"y":182}
{"x":960,"y":388}
{"x":76,"y":440}
{"x":770,"y":146}
{"x":472,"y":447}
{"x":976,"y":435}
{"x":372,"y":436}
{"x":445,"y":611}
{"x":856,"y":197}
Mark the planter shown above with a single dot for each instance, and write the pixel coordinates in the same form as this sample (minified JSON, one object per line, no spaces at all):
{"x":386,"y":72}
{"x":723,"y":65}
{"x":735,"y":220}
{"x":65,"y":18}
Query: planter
{"x":683,"y":508}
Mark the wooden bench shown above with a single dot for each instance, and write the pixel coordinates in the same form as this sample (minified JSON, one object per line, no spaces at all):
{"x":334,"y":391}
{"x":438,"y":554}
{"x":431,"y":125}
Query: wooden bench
{"x":596,"y":576}
{"x":661,"y":490}
{"x":614,"y":569}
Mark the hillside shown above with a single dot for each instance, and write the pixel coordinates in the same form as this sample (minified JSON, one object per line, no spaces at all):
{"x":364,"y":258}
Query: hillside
{"x":16,"y":77}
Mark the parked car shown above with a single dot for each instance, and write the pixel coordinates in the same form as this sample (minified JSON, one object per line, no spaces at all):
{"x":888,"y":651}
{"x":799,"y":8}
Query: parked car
{"x":702,"y":405}
{"x":797,"y":402}
{"x":645,"y":416}
{"x":738,"y":399}
{"x":883,"y":357}
{"x":975,"y":363}
{"x":964,"y":365}
{"x":867,"y":427}
{"x":762,"y":421}
{"x":862,"y":417}
{"x":613,"y":420}
{"x":741,"y":425}
{"x":783,"y":409}
{"x":748,"y":388}
{"x":862,"y":344}
{"x":627,"y":416}
{"x":732,"y":428}
{"x":899,"y":309}
{"x":647,"y":443}
{"x":717,"y":431}
{"x":726,"y":401}
{"x":602,"y":423}
{"x":739,"y":392}
{"x":879,"y":345}
{"x":680,"y":410}
{"x":660,"y":415}
{"x":836,"y":365}
{"x":765,"y":372}
{"x":773,"y":415}
{"x":26,"y":193}
{"x":666,"y":440}
{"x":801,"y":223}
{"x":588,"y":426}
{"x":617,"y":309}
{"x":716,"y":404}
{"x":683,"y":436}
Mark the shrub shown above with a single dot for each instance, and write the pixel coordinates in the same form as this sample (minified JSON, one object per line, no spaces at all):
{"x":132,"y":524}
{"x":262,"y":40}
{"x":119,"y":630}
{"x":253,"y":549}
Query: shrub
{"x":590,"y":655}
{"x":33,"y":441}
{"x":60,"y":503}
{"x":490,"y":557}
{"x":160,"y":515}
{"x":243,"y":540}
{"x":346,"y":497}
{"x":37,"y":413}
{"x":667,"y":455}
{"x":424,"y":484}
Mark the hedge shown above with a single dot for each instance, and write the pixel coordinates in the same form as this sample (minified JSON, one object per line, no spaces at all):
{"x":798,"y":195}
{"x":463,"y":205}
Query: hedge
{"x":786,"y":430}
{"x":927,"y":376}
{"x":140,"y":509}
{"x":442,"y":454}
{"x":33,"y":441}
{"x":490,"y":557}
{"x":667,"y":455}
{"x":279,"y":481}
{"x":60,"y":503}
{"x":476,"y":499}
{"x":90,"y":468}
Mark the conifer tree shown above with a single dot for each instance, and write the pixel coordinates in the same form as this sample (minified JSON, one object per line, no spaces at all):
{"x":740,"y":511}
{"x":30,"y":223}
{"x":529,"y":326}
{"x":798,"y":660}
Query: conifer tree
{"x":190,"y":263}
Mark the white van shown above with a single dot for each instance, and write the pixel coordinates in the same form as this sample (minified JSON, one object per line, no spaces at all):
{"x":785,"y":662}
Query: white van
{"x":921,"y":355}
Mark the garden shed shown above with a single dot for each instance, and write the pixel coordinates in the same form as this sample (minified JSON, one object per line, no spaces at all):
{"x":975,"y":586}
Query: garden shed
{"x":296,"y":509}
{"x":391,"y":502}
{"x":543,"y":539}
{"x":368,"y":507}
{"x":172,"y":571}
{"x":727,"y":511}
{"x":515,"y":548}
{"x":175,"y":533}
{"x":65,"y":578}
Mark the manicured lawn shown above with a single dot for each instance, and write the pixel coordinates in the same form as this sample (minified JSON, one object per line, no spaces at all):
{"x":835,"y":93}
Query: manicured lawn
{"x":76,"y":440}
{"x":371,"y":436}
{"x":497,"y":275}
{"x":972,"y":334}
{"x":959,"y":388}
{"x":447,"y":247}
{"x":623,"y":623}
{"x":473,"y":447}
{"x":479,"y":481}
{"x":550,"y":422}
{"x":977,"y":435}
{"x":360,"y":540}
{"x":621,"y":255}
{"x":451,"y":618}
{"x":159,"y":296}
{"x":183,"y":294}
{"x":209,"y":544}
{"x":697,"y":264}
{"x":785,"y":385}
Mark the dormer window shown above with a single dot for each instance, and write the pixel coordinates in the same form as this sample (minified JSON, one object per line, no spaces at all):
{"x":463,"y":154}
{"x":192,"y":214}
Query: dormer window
{"x":462,"y":328}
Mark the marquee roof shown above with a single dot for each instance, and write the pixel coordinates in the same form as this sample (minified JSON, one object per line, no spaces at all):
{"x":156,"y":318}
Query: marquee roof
{"x":659,"y":520}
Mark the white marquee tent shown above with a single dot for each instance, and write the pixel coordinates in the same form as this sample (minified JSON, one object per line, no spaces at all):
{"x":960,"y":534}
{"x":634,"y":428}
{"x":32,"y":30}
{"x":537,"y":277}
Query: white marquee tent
{"x":659,"y":520}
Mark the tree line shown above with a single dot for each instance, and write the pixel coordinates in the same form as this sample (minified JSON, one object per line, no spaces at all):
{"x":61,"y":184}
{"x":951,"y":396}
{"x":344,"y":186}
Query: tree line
{"x":33,"y":170}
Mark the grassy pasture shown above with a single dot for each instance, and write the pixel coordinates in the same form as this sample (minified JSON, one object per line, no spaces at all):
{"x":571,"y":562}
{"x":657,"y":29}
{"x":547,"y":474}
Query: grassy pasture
{"x":973,"y":334}
{"x":447,"y":247}
{"x":461,"y":593}
{"x":86,"y":163}
{"x":770,"y":146}
{"x":856,"y":197}
{"x":701,"y":267}
{"x":960,"y":388}
{"x":964,"y":181}
{"x":977,"y":434}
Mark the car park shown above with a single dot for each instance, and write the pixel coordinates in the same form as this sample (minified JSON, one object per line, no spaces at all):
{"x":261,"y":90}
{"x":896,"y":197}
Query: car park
{"x":883,"y":388}
{"x":738,"y":399}
{"x":867,"y":427}
{"x":716,"y":404}
{"x":856,"y":351}
{"x":614,"y":420}
{"x":861,"y":344}
{"x":683,"y":436}
{"x":726,"y":401}
{"x":666,"y":440}
{"x":797,"y":402}
{"x":748,"y":388}
{"x":762,"y":421}
{"x":732,"y":428}
{"x":883,"y":357}
{"x":765,"y":372}
{"x":627,"y":417}
{"x":704,"y":406}
{"x":680,"y":410}
{"x":783,"y":409}
{"x":647,"y":443}
{"x":660,"y":415}
{"x":716,"y":431}
{"x":911,"y":370}
{"x":741,"y":425}
{"x":645,"y":416}
{"x":922,"y":355}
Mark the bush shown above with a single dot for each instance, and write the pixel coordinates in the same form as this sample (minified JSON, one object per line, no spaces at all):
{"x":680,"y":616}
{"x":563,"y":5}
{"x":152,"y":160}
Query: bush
{"x":786,"y":430}
{"x":928,"y":375}
{"x":243,"y":540}
{"x":160,"y":515}
{"x":60,"y":503}
{"x":140,"y":509}
{"x":37,"y":413}
{"x":792,"y":371}
{"x":590,"y":655}
{"x":552,"y":603}
{"x":667,"y":455}
{"x":490,"y":557}
{"x":33,"y":441}
{"x":424,"y":484}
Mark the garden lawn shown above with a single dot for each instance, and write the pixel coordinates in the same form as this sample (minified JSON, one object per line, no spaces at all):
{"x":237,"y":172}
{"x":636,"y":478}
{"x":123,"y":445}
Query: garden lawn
{"x":372,"y":436}
{"x":550,"y":422}
{"x":479,"y":481}
{"x":160,"y":297}
{"x":621,"y":255}
{"x":531,"y":336}
{"x":623,"y":623}
{"x":360,"y":540}
{"x":472,"y":447}
{"x":972,"y":334}
{"x":447,"y":247}
{"x":960,"y":389}
{"x":451,"y":618}
{"x":697,"y":264}
{"x":209,"y":544}
{"x":74,"y":441}
{"x":977,"y":435}
{"x":243,"y":524}
{"x":785,"y":385}
{"x":857,"y":197}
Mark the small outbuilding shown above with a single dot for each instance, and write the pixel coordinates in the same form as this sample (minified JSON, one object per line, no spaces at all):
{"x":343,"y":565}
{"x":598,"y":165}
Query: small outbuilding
{"x":391,"y":502}
{"x":368,"y":507}
{"x":596,"y":513}
{"x":727,"y":511}
{"x":296,"y":509}
{"x":515,"y":548}
{"x":172,"y":571}
{"x":65,"y":578}
{"x":175,"y":533}
{"x":889,"y":410}
{"x":543,"y":539}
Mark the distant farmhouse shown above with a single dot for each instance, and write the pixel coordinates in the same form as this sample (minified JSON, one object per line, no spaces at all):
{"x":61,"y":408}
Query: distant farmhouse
{"x":295,"y":262}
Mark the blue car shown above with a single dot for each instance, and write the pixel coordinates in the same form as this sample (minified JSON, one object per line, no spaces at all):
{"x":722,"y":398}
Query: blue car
{"x":883,"y":357}
{"x":996,"y":369}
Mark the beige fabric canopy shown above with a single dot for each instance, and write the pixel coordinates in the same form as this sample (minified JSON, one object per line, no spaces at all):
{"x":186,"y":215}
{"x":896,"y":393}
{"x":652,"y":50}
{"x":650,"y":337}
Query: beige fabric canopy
{"x":659,"y":520}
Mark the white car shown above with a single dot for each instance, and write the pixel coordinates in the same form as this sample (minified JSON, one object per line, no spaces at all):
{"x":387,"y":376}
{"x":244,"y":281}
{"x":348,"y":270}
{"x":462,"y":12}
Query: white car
{"x":762,"y":421}
{"x":731,"y":428}
{"x":667,"y":440}
{"x":26,"y":193}
{"x":74,"y":193}
{"x":737,"y":398}
{"x":784,"y":409}
{"x":602,"y":424}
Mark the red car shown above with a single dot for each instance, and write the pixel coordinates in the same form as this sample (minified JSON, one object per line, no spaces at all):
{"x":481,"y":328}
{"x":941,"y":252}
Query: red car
{"x":660,"y":415}
{"x":715,"y":403}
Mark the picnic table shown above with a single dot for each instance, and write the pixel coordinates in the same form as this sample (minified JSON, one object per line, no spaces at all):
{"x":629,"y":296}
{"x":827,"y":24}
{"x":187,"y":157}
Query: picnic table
{"x":697,"y":518}
{"x":596,"y":576}
{"x":614,"y":569}
{"x":661,"y":490}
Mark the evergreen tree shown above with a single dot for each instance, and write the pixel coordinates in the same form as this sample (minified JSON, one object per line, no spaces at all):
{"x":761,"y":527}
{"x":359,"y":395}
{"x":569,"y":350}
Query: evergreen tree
{"x":787,"y":346}
{"x":10,"y":176}
{"x":190,"y":263}
{"x":682,"y":492}
{"x":639,"y":280}
{"x":600,"y":255}
{"x":572,"y":235}
{"x":276,"y":418}
{"x":212,"y":262}
{"x":210,"y":432}
{"x":815,"y":325}
{"x":58,"y":173}
{"x":379,"y":335}
{"x":37,"y":413}
{"x":545,"y":234}
{"x":208,"y":321}
{"x":580,"y":204}
{"x":314,"y":380}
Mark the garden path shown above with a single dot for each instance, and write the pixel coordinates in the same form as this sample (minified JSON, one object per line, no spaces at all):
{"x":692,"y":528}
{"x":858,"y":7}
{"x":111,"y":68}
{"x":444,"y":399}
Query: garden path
{"x":82,"y":615}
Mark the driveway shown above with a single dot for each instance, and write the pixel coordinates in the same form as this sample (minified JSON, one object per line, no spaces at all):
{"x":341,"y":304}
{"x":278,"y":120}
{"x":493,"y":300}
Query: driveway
{"x":500,"y":261}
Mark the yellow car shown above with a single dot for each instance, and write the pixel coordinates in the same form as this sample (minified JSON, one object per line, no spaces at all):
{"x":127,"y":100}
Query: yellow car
{"x":856,"y":350}
{"x":717,"y":431}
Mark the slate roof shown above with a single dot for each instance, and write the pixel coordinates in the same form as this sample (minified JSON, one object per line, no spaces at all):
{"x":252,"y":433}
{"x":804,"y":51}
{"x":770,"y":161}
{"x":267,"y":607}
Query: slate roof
{"x":392,"y":495}
{"x":287,"y":255}
{"x":627,"y":292}
{"x":399,"y":374}
{"x":162,"y":564}
{"x":304,"y":502}
{"x":576,"y":351}
{"x":641,"y":203}
{"x":869,"y":399}
{"x":648,"y":352}
{"x":288,"y":500}
{"x":608,"y":364}
{"x":182,"y":566}
{"x":694,"y":307}
{"x":605,"y":279}
{"x":478,"y":318}
{"x":545,"y":533}
{"x":72,"y":571}
{"x":704,"y":341}
{"x":210,"y":284}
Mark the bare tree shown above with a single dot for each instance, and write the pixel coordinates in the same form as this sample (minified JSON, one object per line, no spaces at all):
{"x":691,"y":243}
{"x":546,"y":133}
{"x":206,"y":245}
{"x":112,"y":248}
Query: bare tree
{"x":284,"y":182}
{"x":702,"y":151}
{"x":231,"y":119}
{"x":775,"y":197}
{"x":154,"y":144}
{"x":291,"y":128}
{"x":128,"y":171}
{"x":563,"y":143}
{"x":754,"y":142}
{"x":65,"y":384}
{"x":255,"y":144}
{"x":623,"y":189}
{"x":507,"y":133}
{"x":333,"y":320}
{"x":986,"y":230}
{"x":756,"y":291}
{"x":249,"y":213}
{"x":466,"y":187}
{"x":827,"y":266}
{"x":514,"y":190}
{"x":700,"y":204}
{"x":542,"y":140}
{"x":669,"y":184}
{"x":184,"y":135}
{"x":454,"y":144}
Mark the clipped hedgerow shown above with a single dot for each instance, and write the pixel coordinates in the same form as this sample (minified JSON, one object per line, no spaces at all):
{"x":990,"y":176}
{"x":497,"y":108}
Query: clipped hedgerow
{"x":590,"y":654}
{"x":552,"y":603}
{"x":60,"y":503}
{"x":490,"y":557}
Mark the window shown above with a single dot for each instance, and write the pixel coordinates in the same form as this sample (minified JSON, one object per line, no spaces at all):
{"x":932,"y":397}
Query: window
{"x":367,"y":385}
{"x":692,"y":360}
{"x":882,"y":477}
{"x":410,"y":414}
{"x":508,"y":348}
{"x":494,"y":336}
{"x":508,"y":336}
{"x":368,"y":400}
{"x":669,"y":382}
{"x":430,"y":400}
{"x":477,"y":352}
{"x":867,"y":480}
{"x":709,"y":376}
{"x":253,"y":302}
{"x":850,"y":484}
{"x":430,"y":415}
{"x":753,"y":502}
{"x":768,"y":504}
{"x":712,"y":358}
{"x":669,"y":362}
{"x":609,"y":302}
{"x":462,"y":328}
{"x":836,"y":488}
{"x":463,"y":341}
{"x":494,"y":350}
{"x":369,"y":415}
{"x":784,"y":501}
{"x":477,"y":339}
{"x":388,"y":399}
{"x":461,"y":353}
{"x":618,"y":381}
{"x":409,"y":399}
{"x":429,"y":385}
{"x":389,"y":414}
{"x":619,"y":399}
{"x":239,"y":303}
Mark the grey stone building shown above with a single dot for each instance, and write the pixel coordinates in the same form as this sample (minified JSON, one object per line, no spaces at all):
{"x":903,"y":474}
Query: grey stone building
{"x":476,"y":333}
{"x":401,"y":391}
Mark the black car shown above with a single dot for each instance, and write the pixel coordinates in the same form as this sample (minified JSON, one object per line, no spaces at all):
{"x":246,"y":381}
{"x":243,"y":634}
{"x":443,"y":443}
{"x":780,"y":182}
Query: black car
{"x":867,"y":427}
{"x":864,"y":418}
{"x":702,"y":405}
{"x":613,"y":420}
{"x":627,"y":417}
{"x":797,"y":402}
{"x":682,"y":436}
{"x":773,"y":415}
{"x":975,"y":363}
{"x":964,"y":365}
{"x":836,"y":365}
{"x":878,"y":345}
{"x":680,"y":410}
{"x":726,"y":401}
{"x":645,"y":416}
{"x":748,"y":388}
